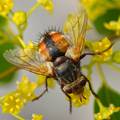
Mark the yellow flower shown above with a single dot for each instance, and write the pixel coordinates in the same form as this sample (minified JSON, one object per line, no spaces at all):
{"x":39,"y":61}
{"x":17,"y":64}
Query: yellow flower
{"x":114,"y":25}
{"x":105,"y":112}
{"x":100,"y":46}
{"x":26,"y":88}
{"x":76,"y":98}
{"x":19,"y":18}
{"x":41,"y":81}
{"x":5,"y":7}
{"x":12,"y":103}
{"x":37,"y":117}
{"x":47,"y":4}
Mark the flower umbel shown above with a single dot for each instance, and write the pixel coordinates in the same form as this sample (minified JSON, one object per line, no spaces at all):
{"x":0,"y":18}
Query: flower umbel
{"x":5,"y":6}
{"x":105,"y":112}
{"x":26,"y":88}
{"x":12,"y":103}
{"x":100,"y":46}
{"x":37,"y":117}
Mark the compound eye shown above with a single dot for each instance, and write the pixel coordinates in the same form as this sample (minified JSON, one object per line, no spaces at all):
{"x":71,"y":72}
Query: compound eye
{"x":67,"y":90}
{"x":82,"y":83}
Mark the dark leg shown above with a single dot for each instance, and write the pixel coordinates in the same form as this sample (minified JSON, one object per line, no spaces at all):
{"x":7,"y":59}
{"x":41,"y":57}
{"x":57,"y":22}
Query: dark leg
{"x":70,"y":100}
{"x":46,"y":90}
{"x":95,"y":53}
{"x":90,"y":86}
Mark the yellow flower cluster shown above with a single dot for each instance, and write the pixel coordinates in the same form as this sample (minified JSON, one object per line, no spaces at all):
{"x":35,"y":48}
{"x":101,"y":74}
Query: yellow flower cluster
{"x":106,"y":112}
{"x":100,"y":46}
{"x":96,"y":8}
{"x":19,"y":18}
{"x":37,"y":117}
{"x":47,"y":4}
{"x":13,"y":102}
{"x":26,"y":88}
{"x":5,"y":6}
{"x":77,"y":101}
{"x":41,"y":81}
{"x":114,"y":25}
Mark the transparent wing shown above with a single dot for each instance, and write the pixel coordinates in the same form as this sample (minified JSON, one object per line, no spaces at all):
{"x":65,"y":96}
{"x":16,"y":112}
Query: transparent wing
{"x":30,"y":60}
{"x":76,"y":28}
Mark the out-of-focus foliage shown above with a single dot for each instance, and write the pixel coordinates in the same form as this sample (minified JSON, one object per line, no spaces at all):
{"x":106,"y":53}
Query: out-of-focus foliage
{"x":102,"y":11}
{"x":114,"y":25}
{"x":5,"y":67}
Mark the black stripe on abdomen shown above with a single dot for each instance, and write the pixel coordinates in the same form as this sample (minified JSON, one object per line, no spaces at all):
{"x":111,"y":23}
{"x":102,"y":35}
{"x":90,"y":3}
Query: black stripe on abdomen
{"x":50,"y":45}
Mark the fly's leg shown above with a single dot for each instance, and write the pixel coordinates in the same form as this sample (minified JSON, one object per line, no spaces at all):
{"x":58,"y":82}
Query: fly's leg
{"x":96,"y":53}
{"x":46,"y":90}
{"x":70,"y":100}
{"x":90,"y":86}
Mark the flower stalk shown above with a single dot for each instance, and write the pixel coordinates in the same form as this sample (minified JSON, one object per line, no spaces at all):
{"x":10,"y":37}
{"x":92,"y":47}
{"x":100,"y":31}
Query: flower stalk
{"x":101,"y":73}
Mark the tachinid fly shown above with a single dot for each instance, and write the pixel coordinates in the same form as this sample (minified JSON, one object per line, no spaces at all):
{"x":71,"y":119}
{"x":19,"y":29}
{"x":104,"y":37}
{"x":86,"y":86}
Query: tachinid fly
{"x":57,"y":57}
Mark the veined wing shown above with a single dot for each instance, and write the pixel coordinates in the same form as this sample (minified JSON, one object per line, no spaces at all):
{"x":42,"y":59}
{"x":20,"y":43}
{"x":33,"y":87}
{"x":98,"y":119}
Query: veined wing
{"x":30,"y":60}
{"x":76,"y":29}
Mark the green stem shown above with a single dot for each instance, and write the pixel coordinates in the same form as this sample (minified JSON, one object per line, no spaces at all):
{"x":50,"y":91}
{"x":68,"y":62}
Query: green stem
{"x":99,"y":103}
{"x":18,"y":117}
{"x":101,"y":73}
{"x":20,"y":33}
{"x":21,"y":41}
{"x":34,"y":7}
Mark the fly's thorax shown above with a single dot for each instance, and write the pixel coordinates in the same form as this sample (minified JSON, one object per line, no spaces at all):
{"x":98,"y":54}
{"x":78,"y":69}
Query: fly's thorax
{"x":52,"y":45}
{"x":65,"y":69}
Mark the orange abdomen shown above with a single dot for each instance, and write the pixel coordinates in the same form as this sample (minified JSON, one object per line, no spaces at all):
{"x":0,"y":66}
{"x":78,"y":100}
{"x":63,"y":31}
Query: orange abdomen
{"x":52,"y":45}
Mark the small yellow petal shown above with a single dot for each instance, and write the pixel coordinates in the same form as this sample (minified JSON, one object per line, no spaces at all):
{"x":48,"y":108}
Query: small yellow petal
{"x":37,"y":117}
{"x":47,"y":4}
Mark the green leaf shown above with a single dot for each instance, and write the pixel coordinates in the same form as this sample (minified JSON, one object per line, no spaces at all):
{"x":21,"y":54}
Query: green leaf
{"x":5,"y":67}
{"x":3,"y":23}
{"x":110,"y":15}
{"x":108,"y":96}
